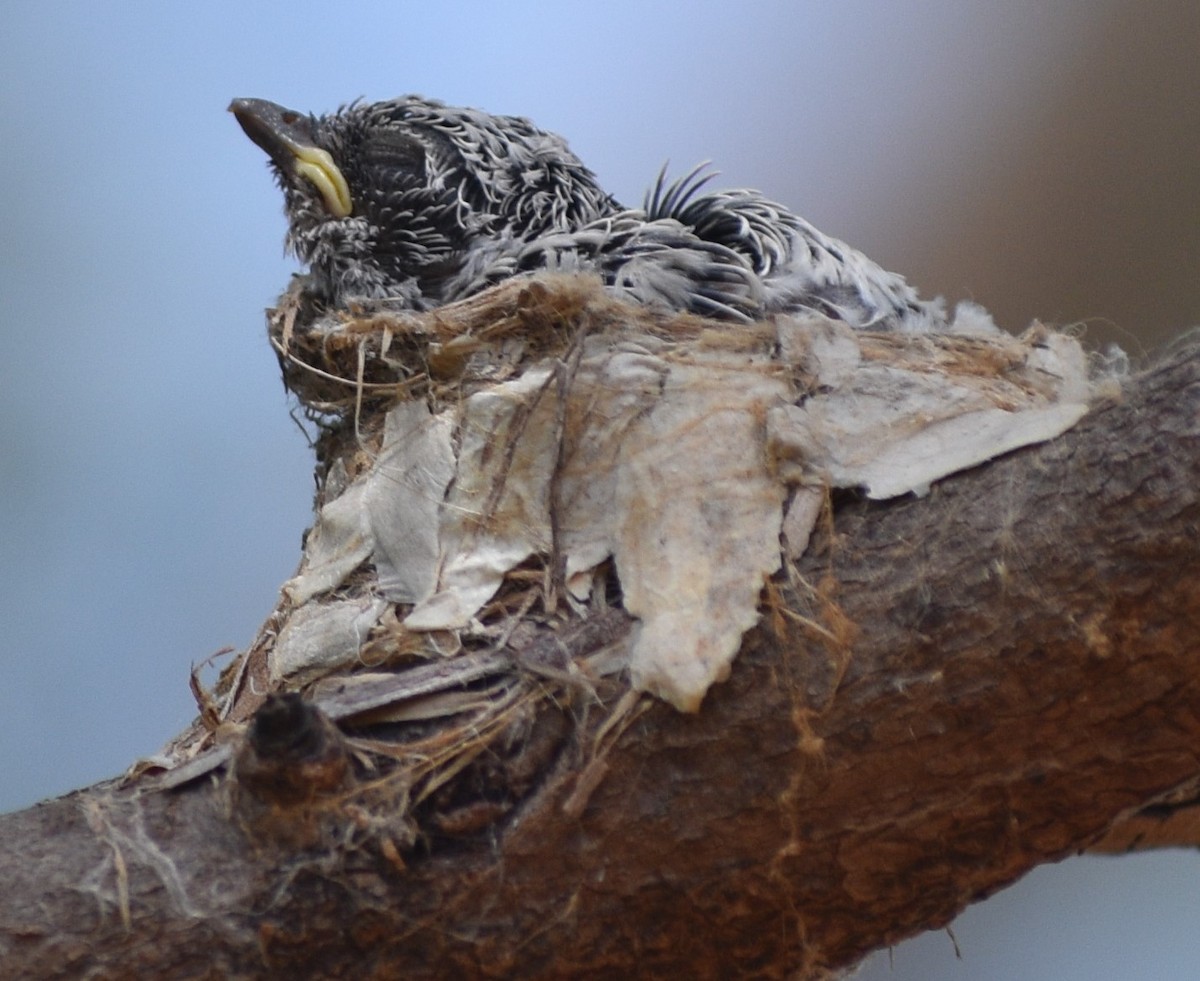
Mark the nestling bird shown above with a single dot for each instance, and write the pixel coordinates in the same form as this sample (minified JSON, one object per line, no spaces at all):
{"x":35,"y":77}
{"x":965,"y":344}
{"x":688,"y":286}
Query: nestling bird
{"x":419,"y":203}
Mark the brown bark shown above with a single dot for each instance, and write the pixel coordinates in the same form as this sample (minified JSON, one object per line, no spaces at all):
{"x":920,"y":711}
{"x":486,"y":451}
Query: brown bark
{"x":945,"y":693}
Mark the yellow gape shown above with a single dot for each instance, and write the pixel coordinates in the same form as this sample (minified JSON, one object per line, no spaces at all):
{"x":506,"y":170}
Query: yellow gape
{"x":318,"y":167}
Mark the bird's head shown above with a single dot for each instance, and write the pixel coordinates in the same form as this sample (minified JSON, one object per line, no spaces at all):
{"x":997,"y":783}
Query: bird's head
{"x":387,"y":199}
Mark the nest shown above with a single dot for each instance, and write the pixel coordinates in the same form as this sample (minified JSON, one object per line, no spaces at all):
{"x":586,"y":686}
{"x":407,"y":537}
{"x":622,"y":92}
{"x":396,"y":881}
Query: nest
{"x":540,"y":506}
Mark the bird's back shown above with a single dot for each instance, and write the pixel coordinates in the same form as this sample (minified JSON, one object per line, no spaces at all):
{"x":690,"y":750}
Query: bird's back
{"x":440,"y":202}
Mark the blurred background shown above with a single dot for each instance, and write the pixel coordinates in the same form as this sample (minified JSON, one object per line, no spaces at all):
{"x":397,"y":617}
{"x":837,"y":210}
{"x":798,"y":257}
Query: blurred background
{"x":1039,"y":156}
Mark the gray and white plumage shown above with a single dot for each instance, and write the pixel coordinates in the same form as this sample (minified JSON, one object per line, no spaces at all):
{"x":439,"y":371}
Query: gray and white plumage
{"x":420,"y":204}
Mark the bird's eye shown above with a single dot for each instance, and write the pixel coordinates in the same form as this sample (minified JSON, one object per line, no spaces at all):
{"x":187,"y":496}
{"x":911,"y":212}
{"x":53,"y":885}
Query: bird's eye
{"x":290,"y":117}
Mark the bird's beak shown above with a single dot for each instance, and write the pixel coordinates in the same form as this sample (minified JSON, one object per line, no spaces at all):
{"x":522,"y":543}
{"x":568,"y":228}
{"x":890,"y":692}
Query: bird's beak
{"x":287,"y":138}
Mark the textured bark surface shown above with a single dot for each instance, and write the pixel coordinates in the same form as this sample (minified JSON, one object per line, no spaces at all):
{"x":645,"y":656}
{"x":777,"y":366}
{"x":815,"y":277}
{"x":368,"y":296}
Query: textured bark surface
{"x":945,"y":693}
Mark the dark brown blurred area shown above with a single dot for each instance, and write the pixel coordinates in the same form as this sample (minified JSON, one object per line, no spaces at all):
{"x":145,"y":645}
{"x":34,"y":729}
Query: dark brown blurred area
{"x":1095,"y":214}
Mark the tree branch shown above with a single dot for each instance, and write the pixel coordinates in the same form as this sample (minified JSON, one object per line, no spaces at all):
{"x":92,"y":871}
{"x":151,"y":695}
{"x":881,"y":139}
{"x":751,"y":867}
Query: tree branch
{"x":944,"y":692}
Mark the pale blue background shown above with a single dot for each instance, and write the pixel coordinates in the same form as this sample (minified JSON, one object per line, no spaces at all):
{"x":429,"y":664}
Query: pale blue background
{"x":1041,"y":157}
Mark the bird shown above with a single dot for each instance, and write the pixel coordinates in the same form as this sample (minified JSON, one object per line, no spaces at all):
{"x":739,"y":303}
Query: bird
{"x":414,"y":203}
